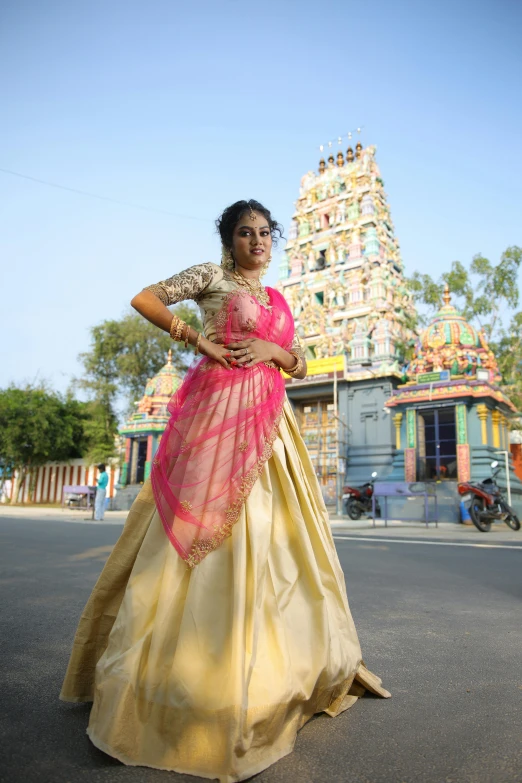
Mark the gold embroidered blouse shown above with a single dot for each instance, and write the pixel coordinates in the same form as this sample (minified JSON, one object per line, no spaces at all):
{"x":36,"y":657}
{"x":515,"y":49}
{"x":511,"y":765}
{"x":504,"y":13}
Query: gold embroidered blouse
{"x":207,"y":285}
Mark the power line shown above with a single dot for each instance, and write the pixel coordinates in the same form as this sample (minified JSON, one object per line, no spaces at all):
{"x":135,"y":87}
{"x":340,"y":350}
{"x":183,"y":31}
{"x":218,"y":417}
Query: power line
{"x":102,"y":198}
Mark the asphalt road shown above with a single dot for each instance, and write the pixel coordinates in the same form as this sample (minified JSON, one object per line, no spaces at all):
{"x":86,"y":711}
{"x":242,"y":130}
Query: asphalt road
{"x":441,"y":624}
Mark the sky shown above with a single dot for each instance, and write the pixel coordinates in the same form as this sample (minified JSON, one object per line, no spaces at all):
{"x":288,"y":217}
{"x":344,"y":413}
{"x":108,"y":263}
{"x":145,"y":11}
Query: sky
{"x":183,"y":108}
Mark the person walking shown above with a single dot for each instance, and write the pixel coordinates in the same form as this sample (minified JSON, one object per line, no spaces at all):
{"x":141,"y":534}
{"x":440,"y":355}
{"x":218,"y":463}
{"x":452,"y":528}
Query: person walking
{"x":220,"y":623}
{"x":101,"y":491}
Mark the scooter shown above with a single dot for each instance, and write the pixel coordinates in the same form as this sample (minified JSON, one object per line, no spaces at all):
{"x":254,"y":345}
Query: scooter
{"x":486,"y":503}
{"x":358,"y":500}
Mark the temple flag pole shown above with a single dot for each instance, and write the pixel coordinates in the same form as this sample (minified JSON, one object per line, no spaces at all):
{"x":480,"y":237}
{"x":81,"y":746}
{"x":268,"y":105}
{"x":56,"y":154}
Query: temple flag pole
{"x":337,"y":473}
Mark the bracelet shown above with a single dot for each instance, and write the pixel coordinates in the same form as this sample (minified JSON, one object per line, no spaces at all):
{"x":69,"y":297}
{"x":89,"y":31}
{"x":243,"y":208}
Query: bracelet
{"x":187,"y":333}
{"x":173,"y":326}
{"x":298,"y":364}
{"x":176,"y":328}
{"x":197,"y":342}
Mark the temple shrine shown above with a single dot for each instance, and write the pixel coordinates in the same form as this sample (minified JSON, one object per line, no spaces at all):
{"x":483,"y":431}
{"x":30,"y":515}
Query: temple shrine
{"x":342,"y":275}
{"x":143,"y":430}
{"x":451,"y":417}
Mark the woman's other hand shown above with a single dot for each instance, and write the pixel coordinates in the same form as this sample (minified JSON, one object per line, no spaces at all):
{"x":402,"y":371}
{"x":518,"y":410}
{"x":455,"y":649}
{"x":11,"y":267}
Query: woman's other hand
{"x":249,"y":352}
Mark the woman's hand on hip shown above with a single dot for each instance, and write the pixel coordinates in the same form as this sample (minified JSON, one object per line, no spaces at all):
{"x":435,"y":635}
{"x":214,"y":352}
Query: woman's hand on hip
{"x":249,"y":352}
{"x":216,"y":352}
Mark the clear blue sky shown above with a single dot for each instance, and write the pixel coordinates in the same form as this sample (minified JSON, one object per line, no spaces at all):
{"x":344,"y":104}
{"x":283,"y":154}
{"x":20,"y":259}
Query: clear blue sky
{"x":185,"y":107}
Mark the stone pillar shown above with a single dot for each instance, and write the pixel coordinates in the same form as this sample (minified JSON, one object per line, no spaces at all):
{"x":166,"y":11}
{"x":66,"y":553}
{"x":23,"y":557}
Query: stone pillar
{"x":483,"y":414}
{"x":125,"y":466}
{"x":134,"y":461}
{"x":463,"y":456}
{"x":505,"y":432}
{"x":410,"y":453}
{"x":495,"y":420}
{"x":397,"y":420}
{"x":148,"y":463}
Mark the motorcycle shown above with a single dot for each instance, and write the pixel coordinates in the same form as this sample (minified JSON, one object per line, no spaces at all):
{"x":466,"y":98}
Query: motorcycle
{"x":486,"y":503}
{"x":358,"y":500}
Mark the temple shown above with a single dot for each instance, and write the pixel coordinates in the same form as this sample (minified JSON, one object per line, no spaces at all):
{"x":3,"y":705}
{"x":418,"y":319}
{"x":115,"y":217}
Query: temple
{"x":143,"y":430}
{"x":451,"y":417}
{"x":443,"y":418}
{"x":342,"y":276}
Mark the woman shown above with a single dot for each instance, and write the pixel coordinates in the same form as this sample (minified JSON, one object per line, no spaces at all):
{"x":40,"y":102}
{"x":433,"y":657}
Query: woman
{"x":220,"y":623}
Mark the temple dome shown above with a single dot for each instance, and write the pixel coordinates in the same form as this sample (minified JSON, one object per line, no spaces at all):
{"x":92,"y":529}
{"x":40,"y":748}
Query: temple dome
{"x":449,"y":327}
{"x":165,"y":382}
{"x":151,"y":414}
{"x":451,"y":343}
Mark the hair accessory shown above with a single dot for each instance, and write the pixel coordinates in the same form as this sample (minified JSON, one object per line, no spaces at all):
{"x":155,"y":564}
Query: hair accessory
{"x":227,"y":261}
{"x":197,"y":343}
{"x":253,"y":215}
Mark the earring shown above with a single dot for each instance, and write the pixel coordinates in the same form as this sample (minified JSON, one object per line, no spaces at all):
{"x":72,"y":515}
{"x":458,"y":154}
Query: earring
{"x":265,"y":267}
{"x":227,"y":261}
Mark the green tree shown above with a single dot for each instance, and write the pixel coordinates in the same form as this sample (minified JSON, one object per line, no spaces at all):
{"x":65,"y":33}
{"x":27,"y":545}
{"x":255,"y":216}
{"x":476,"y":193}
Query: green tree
{"x":487,"y":295}
{"x":37,"y":425}
{"x":123,"y":355}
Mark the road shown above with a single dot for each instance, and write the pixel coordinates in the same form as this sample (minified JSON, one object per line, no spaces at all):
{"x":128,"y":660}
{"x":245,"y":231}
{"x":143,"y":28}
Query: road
{"x":442,"y":624}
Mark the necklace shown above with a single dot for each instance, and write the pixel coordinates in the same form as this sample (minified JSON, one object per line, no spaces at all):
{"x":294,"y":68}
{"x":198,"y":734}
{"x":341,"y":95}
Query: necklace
{"x":255,"y":287}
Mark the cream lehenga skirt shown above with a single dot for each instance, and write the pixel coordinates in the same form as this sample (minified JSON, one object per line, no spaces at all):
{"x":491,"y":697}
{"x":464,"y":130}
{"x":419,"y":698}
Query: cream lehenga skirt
{"x":212,"y":671}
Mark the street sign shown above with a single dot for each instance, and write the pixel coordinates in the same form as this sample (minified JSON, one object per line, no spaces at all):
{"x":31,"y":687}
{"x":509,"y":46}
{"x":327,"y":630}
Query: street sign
{"x":433,"y":377}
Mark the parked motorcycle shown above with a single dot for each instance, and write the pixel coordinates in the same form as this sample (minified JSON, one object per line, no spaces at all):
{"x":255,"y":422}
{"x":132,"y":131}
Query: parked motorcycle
{"x":486,"y":502}
{"x":358,"y":500}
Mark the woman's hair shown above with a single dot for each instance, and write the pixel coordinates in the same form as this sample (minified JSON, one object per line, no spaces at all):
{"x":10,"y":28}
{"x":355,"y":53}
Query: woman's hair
{"x":230,"y":217}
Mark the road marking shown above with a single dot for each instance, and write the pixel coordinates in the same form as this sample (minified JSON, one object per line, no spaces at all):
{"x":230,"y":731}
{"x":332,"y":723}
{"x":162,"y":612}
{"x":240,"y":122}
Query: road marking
{"x":432,"y":543}
{"x":95,"y":552}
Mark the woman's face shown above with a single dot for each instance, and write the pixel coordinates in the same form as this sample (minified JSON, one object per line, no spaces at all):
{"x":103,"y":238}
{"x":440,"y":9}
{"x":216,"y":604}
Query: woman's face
{"x":251,"y":242}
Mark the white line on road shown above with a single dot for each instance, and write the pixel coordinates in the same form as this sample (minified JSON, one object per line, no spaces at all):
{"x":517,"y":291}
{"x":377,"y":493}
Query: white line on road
{"x":432,"y":543}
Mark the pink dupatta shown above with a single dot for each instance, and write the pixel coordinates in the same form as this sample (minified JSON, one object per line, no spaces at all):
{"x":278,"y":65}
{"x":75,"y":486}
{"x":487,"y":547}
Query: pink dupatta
{"x":221,"y":430}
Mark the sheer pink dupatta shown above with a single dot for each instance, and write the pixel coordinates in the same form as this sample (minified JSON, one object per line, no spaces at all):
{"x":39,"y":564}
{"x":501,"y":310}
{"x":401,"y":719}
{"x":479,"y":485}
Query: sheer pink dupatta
{"x":220,"y":434}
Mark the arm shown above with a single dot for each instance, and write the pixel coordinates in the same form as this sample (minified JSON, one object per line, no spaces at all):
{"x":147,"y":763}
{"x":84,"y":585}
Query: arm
{"x":152,"y":303}
{"x":286,"y":360}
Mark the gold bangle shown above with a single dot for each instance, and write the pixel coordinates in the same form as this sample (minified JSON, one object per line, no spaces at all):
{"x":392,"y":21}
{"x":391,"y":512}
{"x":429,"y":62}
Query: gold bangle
{"x":298,"y":364}
{"x":197,"y":342}
{"x":174,"y":326}
{"x":187,"y":334}
{"x":179,"y":330}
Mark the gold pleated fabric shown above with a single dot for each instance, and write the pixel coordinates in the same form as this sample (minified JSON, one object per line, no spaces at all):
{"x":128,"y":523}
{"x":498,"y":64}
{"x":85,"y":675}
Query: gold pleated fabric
{"x":212,"y":671}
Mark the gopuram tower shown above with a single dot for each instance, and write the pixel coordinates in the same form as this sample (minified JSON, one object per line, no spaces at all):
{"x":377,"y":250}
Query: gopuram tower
{"x":342,"y":276}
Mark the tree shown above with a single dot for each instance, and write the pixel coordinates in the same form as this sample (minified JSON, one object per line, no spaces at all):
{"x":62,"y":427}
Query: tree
{"x":37,"y":425}
{"x":123,"y":355}
{"x":486,"y":295}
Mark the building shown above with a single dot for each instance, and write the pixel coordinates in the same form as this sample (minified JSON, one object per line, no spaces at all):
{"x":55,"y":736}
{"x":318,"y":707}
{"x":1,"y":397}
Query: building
{"x":451,"y":417}
{"x":342,"y":276}
{"x":143,"y":430}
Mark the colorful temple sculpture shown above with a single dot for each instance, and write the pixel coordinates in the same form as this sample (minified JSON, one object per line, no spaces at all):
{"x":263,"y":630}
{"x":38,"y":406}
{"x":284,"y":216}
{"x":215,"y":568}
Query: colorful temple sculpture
{"x":143,"y":430}
{"x":342,"y":276}
{"x":451,"y":418}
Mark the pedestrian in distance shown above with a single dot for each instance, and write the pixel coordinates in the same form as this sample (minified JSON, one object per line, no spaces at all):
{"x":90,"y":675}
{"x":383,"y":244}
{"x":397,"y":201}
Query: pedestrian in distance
{"x":101,"y":492}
